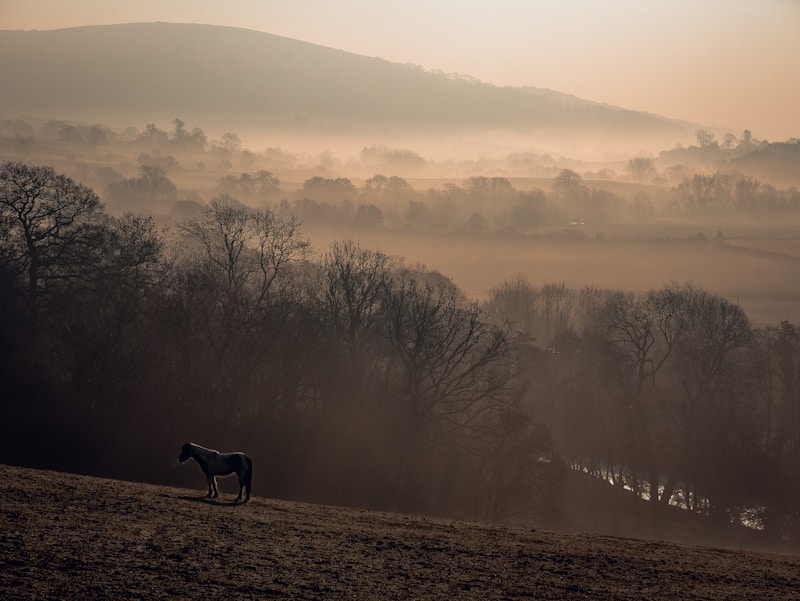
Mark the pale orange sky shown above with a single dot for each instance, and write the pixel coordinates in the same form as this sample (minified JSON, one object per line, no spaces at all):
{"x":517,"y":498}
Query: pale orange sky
{"x":731,"y":64}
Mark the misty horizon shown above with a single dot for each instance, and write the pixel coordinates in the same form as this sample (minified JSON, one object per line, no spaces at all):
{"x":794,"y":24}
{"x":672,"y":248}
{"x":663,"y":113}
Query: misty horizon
{"x":278,"y":91}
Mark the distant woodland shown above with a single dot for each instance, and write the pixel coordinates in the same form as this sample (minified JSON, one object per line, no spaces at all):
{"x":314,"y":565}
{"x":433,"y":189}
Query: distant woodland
{"x":159,"y":286}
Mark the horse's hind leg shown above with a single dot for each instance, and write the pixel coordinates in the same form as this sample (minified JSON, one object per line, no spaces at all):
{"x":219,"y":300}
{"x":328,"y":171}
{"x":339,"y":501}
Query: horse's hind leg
{"x":244,"y":483}
{"x":248,"y":477}
{"x":244,"y":471}
{"x":241,"y":488}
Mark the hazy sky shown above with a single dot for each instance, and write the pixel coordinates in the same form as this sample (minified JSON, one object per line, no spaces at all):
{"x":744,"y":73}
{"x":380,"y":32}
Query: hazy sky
{"x":725,"y":63}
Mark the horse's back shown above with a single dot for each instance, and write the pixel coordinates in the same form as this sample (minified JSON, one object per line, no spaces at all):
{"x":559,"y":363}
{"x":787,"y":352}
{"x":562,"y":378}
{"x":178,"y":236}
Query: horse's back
{"x":234,"y":462}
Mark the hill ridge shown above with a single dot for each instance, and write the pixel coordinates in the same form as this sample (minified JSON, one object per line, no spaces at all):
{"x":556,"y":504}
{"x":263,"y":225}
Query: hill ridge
{"x":206,"y":71}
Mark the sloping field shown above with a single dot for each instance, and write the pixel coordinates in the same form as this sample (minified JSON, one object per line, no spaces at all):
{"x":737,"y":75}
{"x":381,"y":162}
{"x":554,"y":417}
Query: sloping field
{"x":64,"y":536}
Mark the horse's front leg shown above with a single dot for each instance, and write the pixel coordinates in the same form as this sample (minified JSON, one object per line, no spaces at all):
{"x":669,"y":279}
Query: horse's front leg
{"x":213,"y":491}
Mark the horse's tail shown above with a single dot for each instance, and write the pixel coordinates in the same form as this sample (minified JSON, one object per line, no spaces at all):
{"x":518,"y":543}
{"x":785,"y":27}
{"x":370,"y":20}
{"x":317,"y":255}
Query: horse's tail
{"x":248,"y":475}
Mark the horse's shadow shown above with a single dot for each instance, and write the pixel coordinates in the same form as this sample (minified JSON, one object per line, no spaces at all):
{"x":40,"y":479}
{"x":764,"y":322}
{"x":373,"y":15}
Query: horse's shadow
{"x":205,"y":500}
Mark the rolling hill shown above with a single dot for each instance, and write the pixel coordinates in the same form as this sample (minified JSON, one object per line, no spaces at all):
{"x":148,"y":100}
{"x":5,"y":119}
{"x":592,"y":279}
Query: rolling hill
{"x":210,"y":73}
{"x":76,"y":537}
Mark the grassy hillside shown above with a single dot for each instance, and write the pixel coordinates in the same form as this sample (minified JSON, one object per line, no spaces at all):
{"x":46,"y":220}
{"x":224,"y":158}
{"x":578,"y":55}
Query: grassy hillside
{"x":75,"y":537}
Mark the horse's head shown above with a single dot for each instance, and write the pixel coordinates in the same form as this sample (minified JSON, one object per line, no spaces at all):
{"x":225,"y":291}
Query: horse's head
{"x":186,"y":452}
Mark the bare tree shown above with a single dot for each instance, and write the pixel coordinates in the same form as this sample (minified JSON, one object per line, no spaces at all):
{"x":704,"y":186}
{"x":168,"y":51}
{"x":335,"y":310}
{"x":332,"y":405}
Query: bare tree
{"x":354,"y":281}
{"x":711,"y":374}
{"x":101,"y":321}
{"x":541,"y":312}
{"x":641,"y":169}
{"x":151,"y":186}
{"x":154,"y":184}
{"x":447,"y":369}
{"x":728,"y":141}
{"x":644,"y":331}
{"x":556,"y":304}
{"x":514,"y":301}
{"x":229,"y":143}
{"x":704,"y":137}
{"x":567,"y":184}
{"x":50,"y":230}
{"x":259,"y":185}
{"x":223,"y":297}
{"x":776,"y":355}
{"x":247,"y":247}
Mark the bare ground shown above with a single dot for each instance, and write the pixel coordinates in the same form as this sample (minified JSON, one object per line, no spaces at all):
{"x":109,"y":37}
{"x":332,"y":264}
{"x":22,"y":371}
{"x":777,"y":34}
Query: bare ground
{"x":64,"y":536}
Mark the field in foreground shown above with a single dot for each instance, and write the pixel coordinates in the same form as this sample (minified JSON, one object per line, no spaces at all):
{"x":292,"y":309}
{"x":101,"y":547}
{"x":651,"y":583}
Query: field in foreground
{"x":64,"y":536}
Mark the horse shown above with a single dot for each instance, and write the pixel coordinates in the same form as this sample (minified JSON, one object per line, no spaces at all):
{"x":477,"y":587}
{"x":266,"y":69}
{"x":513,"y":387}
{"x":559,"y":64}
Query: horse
{"x":213,"y":463}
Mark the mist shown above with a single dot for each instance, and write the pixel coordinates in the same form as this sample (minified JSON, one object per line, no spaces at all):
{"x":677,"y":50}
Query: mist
{"x":696,"y":213}
{"x":538,"y":255}
{"x":419,"y":302}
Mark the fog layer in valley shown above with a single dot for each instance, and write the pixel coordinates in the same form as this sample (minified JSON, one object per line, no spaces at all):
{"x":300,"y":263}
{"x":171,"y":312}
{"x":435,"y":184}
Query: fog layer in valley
{"x":720,"y":215}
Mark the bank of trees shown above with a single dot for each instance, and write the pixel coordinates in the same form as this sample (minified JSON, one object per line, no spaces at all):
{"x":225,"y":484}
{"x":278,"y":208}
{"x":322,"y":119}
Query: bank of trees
{"x":148,"y":170}
{"x":726,"y":193}
{"x":672,"y":395}
{"x":350,"y":378}
{"x":355,"y":379}
{"x":493,"y":206}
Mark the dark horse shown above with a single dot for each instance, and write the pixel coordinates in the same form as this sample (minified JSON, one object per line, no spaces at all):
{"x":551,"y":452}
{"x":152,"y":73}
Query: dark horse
{"x":214,"y":463}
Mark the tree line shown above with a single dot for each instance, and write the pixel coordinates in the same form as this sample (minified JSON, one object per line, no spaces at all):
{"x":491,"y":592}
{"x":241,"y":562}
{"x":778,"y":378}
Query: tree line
{"x":481,"y":205}
{"x":353,"y":378}
{"x":672,"y":395}
{"x":169,"y":163}
{"x":350,"y":378}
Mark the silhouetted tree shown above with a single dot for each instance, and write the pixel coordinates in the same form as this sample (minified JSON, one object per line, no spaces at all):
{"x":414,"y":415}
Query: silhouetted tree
{"x":706,"y":192}
{"x":710,"y":372}
{"x":777,"y":357}
{"x":229,"y":143}
{"x":195,"y":138}
{"x":100,"y":324}
{"x":513,"y":301}
{"x":643,"y":332}
{"x":152,"y":187}
{"x":418,"y":215}
{"x":331,"y":190}
{"x":641,"y":169}
{"x":489,"y":188}
{"x":446,"y":370}
{"x":153,"y":135}
{"x":261,"y":184}
{"x":51,"y":232}
{"x":567,"y":184}
{"x":382,"y":186}
{"x":728,"y":141}
{"x":354,"y":282}
{"x":704,"y":137}
{"x":477,"y":224}
{"x":247,"y":247}
{"x":369,"y":216}
{"x":531,"y":211}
